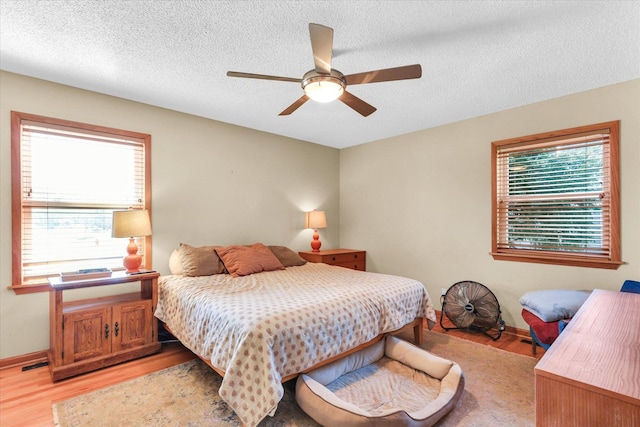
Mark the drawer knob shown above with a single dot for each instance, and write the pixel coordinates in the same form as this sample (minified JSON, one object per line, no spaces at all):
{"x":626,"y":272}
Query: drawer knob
{"x":333,"y":258}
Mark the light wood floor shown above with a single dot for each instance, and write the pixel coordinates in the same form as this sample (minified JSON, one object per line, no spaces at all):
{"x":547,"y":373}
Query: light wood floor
{"x":26,"y":396}
{"x":514,"y":341}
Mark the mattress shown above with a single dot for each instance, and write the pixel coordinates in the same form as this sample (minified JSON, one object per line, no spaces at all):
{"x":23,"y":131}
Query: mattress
{"x":263,"y":327}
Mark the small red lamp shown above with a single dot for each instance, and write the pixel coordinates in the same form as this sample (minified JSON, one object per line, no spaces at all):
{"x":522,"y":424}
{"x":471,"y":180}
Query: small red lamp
{"x":315,"y":219}
{"x":131,"y":223}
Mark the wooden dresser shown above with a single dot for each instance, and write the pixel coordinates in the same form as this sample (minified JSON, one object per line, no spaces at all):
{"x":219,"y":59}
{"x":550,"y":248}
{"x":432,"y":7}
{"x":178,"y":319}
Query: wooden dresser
{"x":92,"y":333}
{"x":591,"y":374}
{"x":349,"y":258}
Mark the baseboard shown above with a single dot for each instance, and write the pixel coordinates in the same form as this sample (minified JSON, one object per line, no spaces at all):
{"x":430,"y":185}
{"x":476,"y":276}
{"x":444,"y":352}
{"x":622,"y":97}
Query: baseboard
{"x":25,"y":359}
{"x":520,"y":333}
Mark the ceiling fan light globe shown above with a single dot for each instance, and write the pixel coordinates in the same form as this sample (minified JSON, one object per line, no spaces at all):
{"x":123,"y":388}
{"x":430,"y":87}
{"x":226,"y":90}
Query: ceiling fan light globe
{"x":323,"y":87}
{"x":323,"y":91}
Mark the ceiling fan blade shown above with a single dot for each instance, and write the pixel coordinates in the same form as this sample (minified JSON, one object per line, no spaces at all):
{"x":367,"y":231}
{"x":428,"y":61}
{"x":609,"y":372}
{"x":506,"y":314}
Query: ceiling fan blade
{"x":357,"y":104}
{"x":261,"y":76}
{"x":386,"y":75}
{"x":293,"y":107}
{"x":322,"y":45}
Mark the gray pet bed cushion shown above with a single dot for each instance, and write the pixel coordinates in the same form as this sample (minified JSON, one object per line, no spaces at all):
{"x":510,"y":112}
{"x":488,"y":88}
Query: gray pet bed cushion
{"x":391,"y":382}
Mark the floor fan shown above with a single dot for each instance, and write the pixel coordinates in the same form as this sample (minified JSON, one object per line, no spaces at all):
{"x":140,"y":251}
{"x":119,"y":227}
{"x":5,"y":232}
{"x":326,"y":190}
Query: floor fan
{"x":472,"y":306}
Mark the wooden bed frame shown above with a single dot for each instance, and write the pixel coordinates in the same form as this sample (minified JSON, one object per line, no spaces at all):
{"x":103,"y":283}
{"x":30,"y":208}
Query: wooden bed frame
{"x":417,"y":325}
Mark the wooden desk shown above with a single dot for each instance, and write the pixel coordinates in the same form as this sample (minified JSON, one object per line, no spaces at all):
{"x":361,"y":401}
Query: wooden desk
{"x":591,"y":374}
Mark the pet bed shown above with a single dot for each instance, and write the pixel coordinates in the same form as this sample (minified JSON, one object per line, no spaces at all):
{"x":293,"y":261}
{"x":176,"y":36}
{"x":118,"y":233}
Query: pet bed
{"x":391,"y":382}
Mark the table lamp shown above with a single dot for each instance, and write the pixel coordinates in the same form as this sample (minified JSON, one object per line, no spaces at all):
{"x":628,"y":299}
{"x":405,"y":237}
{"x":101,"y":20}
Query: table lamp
{"x":131,"y":223}
{"x":315,"y":219}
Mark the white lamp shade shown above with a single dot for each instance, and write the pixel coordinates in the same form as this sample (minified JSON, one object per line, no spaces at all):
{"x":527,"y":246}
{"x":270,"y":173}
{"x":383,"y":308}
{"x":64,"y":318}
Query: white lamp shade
{"x":323,"y":91}
{"x":322,"y":87}
{"x":131,"y":223}
{"x":315,"y":220}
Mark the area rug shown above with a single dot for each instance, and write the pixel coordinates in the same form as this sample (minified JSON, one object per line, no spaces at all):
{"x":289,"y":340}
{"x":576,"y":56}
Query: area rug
{"x":499,"y":392}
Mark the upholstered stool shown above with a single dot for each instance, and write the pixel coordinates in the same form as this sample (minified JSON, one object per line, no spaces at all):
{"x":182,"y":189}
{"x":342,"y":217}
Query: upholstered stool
{"x":545,"y":311}
{"x":391,"y":382}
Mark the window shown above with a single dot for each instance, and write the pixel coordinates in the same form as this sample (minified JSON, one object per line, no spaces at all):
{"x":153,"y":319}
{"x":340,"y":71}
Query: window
{"x":555,"y":197}
{"x":67,"y":179}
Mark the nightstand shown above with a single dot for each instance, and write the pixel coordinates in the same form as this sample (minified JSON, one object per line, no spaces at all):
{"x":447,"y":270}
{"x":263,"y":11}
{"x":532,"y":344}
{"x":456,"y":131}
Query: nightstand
{"x":349,"y":258}
{"x":92,"y":333}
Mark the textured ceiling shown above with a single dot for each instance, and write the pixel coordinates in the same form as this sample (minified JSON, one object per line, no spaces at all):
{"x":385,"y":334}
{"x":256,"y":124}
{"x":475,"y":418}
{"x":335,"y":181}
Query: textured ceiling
{"x":477,"y":57}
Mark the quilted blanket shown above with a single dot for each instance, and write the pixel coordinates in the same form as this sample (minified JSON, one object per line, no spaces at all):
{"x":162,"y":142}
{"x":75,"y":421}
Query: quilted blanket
{"x":266,"y":326}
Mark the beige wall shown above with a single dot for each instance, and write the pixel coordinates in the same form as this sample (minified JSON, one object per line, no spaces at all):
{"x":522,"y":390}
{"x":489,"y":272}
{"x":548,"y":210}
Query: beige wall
{"x":420,"y":203}
{"x":212,"y":183}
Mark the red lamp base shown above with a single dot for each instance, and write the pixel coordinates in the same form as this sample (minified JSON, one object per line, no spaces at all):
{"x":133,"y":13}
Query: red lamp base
{"x":133,"y":261}
{"x":316,"y":243}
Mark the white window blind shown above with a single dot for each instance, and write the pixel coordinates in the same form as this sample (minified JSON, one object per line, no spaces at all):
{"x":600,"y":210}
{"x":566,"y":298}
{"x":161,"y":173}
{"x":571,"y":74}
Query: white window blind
{"x":554,"y":196}
{"x":71,"y":182}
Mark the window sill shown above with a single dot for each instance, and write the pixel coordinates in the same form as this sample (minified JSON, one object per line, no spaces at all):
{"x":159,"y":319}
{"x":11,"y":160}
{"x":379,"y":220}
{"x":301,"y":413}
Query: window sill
{"x":30,"y":288}
{"x":558,"y":260}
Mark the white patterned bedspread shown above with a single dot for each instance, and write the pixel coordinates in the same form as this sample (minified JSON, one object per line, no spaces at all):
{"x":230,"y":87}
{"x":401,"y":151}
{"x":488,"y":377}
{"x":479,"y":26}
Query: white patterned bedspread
{"x":263,"y":327}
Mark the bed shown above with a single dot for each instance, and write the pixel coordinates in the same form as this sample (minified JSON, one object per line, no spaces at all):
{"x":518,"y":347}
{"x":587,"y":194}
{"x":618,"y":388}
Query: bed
{"x":259,"y":328}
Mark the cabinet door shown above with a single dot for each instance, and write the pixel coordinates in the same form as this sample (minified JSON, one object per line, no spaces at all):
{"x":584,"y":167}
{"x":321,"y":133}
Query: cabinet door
{"x":87,"y":334}
{"x":132,"y":325}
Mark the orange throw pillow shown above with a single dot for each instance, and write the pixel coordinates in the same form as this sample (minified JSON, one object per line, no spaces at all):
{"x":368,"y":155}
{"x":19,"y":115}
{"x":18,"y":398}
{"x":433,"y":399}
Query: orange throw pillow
{"x":245,"y":260}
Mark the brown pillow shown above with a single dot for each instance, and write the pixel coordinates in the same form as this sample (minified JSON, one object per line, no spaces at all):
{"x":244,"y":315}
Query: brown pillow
{"x":202,"y":261}
{"x":287,"y":257}
{"x":245,"y":260}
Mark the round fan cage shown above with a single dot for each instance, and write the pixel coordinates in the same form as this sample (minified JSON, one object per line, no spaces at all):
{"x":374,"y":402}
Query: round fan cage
{"x":471,"y":305}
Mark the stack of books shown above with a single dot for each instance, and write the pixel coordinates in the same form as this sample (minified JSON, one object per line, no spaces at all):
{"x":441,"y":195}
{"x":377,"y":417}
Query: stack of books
{"x":84,"y":274}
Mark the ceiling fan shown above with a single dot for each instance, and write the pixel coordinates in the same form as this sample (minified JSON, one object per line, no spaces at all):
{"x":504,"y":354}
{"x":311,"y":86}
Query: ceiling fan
{"x":325,"y":84}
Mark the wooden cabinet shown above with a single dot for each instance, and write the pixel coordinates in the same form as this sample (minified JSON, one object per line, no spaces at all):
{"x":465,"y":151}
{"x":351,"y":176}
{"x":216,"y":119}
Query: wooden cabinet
{"x":93,"y":333}
{"x":590,"y":376}
{"x":349,"y":258}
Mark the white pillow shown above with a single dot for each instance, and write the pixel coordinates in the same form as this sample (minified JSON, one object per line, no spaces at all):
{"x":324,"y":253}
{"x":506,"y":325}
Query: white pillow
{"x":175,"y":263}
{"x":552,"y":305}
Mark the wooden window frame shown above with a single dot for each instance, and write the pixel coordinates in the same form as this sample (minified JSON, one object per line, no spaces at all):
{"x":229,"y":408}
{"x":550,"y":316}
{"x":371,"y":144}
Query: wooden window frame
{"x":17,"y":119}
{"x":613,"y":260}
